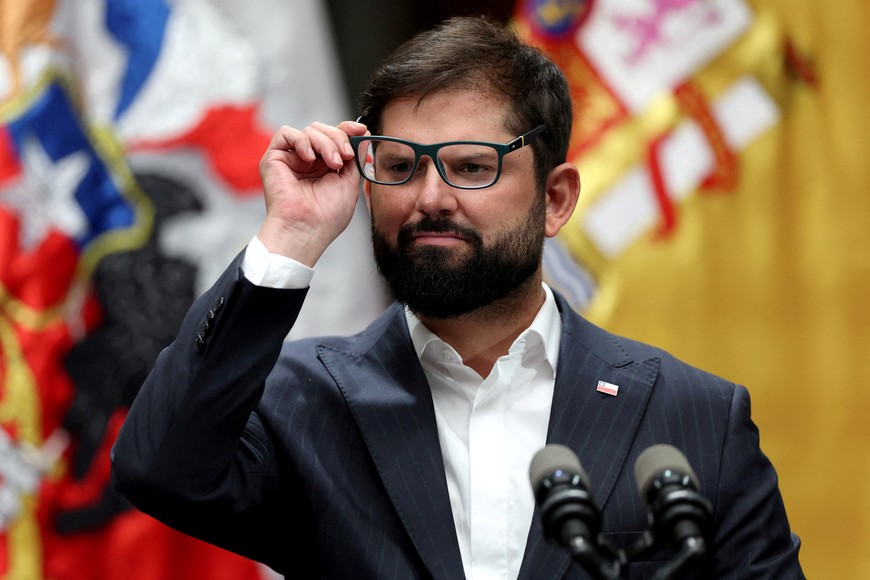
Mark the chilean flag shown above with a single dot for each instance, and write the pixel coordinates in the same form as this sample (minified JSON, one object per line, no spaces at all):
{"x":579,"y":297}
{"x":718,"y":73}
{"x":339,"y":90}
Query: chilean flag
{"x":130,"y":133}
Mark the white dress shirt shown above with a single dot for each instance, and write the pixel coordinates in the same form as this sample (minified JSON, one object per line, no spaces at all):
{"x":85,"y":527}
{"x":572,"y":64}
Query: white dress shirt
{"x":489,"y":427}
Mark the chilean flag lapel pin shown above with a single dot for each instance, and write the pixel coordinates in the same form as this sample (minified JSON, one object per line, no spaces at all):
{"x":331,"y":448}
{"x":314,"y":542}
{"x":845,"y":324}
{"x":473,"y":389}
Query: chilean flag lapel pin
{"x":607,"y":388}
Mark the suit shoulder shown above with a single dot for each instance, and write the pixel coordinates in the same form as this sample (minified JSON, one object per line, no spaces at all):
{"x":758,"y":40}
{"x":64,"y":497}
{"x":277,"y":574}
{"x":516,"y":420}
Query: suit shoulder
{"x":680,"y":378}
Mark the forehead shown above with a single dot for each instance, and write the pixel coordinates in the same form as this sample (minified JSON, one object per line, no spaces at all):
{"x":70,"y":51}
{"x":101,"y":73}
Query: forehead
{"x":447,"y":116}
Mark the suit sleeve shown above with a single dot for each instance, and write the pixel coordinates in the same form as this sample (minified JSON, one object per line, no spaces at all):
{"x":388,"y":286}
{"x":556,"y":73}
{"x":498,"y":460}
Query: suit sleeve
{"x":752,"y":538}
{"x":192,"y":452}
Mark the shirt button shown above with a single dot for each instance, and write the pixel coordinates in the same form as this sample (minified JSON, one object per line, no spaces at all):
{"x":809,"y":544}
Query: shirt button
{"x":446,"y":355}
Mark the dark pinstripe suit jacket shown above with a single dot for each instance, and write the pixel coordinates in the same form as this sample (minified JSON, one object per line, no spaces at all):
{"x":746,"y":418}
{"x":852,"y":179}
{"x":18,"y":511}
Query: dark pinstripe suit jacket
{"x":322,"y":459}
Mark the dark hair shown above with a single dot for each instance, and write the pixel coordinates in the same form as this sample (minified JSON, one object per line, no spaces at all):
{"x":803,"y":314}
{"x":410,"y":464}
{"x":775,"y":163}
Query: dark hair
{"x":478,"y":53}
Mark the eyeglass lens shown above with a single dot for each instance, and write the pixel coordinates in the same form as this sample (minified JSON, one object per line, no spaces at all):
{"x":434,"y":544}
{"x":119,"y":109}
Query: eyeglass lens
{"x":462,"y":165}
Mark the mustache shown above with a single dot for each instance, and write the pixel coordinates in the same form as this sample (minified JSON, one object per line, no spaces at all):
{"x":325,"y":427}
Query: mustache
{"x":439,"y":226}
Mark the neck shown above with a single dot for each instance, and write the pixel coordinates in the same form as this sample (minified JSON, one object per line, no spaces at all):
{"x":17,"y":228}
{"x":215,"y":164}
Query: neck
{"x":483,"y":335}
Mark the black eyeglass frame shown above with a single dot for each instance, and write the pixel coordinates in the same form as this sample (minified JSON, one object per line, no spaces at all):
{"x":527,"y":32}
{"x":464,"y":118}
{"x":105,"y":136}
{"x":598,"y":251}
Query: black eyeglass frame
{"x":501,"y":149}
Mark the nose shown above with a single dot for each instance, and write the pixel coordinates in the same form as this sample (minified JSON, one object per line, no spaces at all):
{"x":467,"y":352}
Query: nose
{"x":435,"y":197}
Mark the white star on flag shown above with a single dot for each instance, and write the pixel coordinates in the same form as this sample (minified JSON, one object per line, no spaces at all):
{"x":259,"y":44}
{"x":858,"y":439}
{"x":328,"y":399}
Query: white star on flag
{"x":45,"y":196}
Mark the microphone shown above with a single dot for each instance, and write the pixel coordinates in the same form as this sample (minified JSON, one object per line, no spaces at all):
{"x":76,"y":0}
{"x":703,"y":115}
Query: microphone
{"x":678,"y":513}
{"x":569,"y":514}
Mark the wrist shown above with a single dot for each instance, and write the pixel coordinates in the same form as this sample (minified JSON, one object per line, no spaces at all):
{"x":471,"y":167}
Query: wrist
{"x":265,"y":268}
{"x":304,"y":247}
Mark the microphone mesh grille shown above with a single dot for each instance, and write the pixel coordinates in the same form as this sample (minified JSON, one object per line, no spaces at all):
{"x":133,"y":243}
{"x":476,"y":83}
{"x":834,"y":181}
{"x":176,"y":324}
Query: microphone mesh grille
{"x":551,"y":458}
{"x":656,"y":459}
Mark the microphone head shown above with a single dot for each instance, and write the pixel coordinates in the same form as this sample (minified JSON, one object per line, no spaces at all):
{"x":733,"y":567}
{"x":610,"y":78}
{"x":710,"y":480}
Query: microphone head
{"x":656,"y":459}
{"x":552,"y":458}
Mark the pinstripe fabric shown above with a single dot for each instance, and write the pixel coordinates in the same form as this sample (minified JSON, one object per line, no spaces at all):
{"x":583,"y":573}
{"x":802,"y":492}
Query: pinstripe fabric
{"x":398,"y":427}
{"x":342,"y":455}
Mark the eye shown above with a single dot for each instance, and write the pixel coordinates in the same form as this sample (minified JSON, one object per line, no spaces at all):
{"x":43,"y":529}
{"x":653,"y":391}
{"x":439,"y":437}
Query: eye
{"x":394,"y":166}
{"x":400,"y":167}
{"x":394,"y":160}
{"x":474,"y":168}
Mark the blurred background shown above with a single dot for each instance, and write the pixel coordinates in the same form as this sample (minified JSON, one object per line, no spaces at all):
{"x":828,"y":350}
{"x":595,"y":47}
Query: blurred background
{"x":724,"y":216}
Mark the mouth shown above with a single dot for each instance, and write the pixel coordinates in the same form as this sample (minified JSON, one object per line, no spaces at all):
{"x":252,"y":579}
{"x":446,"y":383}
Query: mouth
{"x":438,"y":239}
{"x":444,"y":233}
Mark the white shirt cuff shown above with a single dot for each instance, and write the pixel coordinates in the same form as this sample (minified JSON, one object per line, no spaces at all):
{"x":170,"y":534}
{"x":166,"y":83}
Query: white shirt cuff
{"x":264,"y":268}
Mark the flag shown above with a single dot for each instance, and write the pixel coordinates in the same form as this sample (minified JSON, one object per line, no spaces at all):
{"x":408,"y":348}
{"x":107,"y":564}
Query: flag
{"x":130,"y":135}
{"x":724,"y":216}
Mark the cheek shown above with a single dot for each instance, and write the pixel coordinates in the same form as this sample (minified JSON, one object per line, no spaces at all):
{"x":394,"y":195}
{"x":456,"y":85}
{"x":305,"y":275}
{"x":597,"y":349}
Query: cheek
{"x":504,"y":209}
{"x":388,"y":212}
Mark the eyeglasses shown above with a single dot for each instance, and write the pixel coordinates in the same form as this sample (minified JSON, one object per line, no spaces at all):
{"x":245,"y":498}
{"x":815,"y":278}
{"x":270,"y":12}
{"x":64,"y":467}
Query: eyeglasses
{"x":462,"y":164}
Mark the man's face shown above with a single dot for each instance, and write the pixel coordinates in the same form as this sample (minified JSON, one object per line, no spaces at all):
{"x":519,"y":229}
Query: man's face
{"x":446,"y":251}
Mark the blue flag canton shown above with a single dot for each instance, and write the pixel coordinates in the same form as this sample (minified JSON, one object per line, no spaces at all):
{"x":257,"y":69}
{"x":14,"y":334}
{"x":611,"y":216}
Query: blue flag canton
{"x":57,"y":151}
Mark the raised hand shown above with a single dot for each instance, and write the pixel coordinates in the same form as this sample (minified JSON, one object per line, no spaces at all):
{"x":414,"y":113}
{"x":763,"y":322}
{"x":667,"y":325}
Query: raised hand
{"x":311,"y":185}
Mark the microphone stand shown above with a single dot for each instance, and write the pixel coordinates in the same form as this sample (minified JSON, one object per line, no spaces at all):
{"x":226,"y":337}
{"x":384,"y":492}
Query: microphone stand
{"x":692,"y":551}
{"x":602,"y":566}
{"x":603,"y":562}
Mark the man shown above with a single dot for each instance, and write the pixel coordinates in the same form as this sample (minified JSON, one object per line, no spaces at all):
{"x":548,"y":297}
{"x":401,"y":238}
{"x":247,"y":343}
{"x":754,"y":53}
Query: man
{"x":402,"y":452}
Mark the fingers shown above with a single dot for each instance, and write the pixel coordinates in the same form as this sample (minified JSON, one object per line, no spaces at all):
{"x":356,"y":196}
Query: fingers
{"x":318,"y":141}
{"x":353,"y":128}
{"x":331,"y":142}
{"x":310,"y":186}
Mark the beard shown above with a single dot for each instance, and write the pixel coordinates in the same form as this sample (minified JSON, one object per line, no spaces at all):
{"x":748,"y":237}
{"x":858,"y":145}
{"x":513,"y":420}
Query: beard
{"x":432,"y":281}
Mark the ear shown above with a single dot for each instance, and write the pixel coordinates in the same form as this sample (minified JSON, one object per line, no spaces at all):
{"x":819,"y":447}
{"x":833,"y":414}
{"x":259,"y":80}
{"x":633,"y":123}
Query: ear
{"x":367,"y":191}
{"x":563,"y":190}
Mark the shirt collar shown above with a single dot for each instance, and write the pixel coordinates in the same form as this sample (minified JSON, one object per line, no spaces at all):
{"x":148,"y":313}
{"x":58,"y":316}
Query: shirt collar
{"x":545,"y":330}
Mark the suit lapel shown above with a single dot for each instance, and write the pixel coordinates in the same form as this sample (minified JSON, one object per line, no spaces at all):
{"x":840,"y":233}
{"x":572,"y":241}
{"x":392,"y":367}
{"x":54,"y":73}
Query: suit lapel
{"x":599,"y":427}
{"x":389,"y":397}
{"x":388,"y":394}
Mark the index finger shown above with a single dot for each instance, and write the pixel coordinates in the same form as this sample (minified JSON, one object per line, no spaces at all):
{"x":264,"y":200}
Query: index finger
{"x":339,"y":135}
